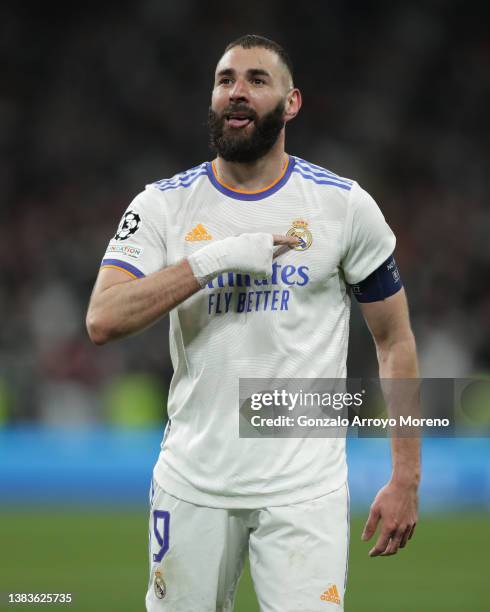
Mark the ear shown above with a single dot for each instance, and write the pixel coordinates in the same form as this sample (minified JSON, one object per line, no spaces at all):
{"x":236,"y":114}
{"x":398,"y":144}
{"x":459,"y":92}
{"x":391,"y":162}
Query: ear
{"x":293,"y":104}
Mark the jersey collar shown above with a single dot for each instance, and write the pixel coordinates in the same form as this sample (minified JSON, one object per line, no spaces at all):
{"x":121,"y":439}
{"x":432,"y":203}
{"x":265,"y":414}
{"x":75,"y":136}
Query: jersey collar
{"x":260,"y":194}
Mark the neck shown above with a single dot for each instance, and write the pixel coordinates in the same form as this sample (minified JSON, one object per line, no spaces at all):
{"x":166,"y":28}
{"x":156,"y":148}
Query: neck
{"x":256,"y":175}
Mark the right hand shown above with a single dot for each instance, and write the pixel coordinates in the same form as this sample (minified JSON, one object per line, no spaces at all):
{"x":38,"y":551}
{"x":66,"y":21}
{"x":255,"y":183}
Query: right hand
{"x":253,"y":253}
{"x":243,"y":254}
{"x":285,"y":242}
{"x":290,"y":241}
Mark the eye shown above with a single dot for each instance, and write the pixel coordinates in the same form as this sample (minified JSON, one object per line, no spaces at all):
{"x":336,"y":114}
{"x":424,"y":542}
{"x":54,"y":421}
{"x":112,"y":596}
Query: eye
{"x":257,"y":81}
{"x":224,"y":81}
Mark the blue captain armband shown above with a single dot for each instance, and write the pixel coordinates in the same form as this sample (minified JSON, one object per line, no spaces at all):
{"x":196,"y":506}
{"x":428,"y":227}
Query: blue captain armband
{"x":379,"y":285}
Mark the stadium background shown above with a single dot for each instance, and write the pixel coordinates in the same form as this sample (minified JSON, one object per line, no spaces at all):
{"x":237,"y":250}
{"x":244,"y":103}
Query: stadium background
{"x":98,"y":99}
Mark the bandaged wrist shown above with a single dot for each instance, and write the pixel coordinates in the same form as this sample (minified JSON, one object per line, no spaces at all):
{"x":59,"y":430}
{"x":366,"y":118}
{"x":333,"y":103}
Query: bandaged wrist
{"x":247,"y":253}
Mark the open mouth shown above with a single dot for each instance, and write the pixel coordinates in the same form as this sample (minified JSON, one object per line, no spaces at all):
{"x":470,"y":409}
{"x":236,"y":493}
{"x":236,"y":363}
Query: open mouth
{"x":238,"y":120}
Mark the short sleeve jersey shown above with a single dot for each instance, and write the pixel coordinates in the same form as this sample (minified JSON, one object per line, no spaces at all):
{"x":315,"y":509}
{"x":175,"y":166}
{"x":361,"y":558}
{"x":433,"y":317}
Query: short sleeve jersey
{"x":292,"y":324}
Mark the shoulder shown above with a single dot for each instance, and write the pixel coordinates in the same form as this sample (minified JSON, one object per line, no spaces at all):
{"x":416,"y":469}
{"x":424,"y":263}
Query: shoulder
{"x":160,"y":196}
{"x":321,"y":177}
{"x":181,"y":180}
{"x":355,"y":196}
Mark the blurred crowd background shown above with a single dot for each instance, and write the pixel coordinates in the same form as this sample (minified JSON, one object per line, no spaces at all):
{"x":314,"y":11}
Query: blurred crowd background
{"x":98,"y":99}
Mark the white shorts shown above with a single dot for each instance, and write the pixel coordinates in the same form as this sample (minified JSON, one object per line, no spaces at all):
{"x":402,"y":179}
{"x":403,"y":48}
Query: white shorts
{"x":298,"y":554}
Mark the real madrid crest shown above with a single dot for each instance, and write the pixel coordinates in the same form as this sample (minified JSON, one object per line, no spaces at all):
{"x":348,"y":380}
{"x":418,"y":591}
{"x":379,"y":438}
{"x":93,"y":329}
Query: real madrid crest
{"x":159,"y":585}
{"x":301,"y":231}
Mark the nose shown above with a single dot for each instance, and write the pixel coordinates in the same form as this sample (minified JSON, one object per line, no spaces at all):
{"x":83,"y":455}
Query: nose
{"x":239,"y":91}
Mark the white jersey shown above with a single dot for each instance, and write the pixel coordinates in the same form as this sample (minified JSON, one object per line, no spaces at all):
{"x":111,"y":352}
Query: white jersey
{"x":292,"y":324}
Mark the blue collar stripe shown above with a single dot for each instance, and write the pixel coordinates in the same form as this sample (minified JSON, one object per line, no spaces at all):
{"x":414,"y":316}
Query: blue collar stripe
{"x":260,"y":195}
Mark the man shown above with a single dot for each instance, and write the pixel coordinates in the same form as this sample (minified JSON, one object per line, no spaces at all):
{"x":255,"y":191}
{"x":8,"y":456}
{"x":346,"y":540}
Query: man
{"x":200,"y":246}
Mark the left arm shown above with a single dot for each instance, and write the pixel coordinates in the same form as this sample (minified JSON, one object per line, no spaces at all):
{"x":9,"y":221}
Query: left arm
{"x":396,"y":503}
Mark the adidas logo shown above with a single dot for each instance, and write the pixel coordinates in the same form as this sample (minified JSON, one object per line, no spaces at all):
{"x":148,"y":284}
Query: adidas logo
{"x":198,"y":233}
{"x":331,"y":594}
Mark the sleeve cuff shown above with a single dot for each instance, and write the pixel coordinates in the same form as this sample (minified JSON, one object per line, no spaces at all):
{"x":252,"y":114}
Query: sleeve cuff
{"x":122,"y":265}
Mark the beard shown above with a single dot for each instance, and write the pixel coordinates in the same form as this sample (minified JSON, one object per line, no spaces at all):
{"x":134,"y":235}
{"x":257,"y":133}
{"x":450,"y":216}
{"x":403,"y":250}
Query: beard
{"x":234,"y":144}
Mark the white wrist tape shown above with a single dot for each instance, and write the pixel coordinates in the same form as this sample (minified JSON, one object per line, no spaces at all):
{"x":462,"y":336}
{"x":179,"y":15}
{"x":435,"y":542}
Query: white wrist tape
{"x":246,"y":254}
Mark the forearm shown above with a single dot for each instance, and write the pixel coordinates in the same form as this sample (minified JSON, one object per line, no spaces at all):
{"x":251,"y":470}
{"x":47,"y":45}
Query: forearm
{"x":128,"y":307}
{"x":405,"y":453}
{"x":398,"y":369}
{"x":119,"y":308}
{"x":397,"y":358}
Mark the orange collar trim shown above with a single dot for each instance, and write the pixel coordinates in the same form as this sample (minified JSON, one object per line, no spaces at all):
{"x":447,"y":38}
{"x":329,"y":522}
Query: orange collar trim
{"x":283,"y":172}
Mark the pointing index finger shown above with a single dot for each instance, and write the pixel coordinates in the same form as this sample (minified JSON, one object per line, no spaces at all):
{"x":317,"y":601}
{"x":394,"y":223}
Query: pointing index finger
{"x":288,"y":240}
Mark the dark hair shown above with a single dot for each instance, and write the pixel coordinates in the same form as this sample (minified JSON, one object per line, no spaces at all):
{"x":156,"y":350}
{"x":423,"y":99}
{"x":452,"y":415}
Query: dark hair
{"x":249,"y":41}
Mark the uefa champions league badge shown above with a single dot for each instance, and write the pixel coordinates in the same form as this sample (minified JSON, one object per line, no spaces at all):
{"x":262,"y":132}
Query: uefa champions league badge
{"x":159,"y":585}
{"x":300,"y":230}
{"x":129,"y":225}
